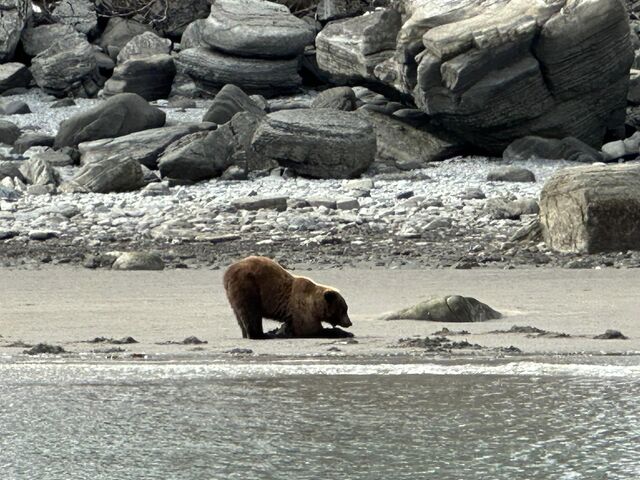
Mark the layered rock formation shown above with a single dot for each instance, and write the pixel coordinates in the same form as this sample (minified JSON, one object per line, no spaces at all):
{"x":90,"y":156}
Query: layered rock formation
{"x":496,"y":70}
{"x":13,"y":17}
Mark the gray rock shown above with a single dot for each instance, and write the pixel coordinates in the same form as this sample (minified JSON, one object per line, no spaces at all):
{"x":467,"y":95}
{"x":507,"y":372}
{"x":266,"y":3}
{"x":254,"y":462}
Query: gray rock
{"x":28,"y":140}
{"x":9,"y":194}
{"x":37,"y":171}
{"x":511,"y":174}
{"x":210,"y":71}
{"x":14,"y":75}
{"x":66,"y":67}
{"x":145,"y":146}
{"x":10,"y":168}
{"x":9,"y":132}
{"x":199,"y":156}
{"x":615,"y":149}
{"x":119,"y":115}
{"x":120,"y":31}
{"x":318,"y":143}
{"x":259,"y":202}
{"x":538,"y":148}
{"x":138,"y":261}
{"x":349,"y":50}
{"x":150,"y":77}
{"x":338,"y":98}
{"x":496,"y":73}
{"x":54,"y":158}
{"x":227,"y":103}
{"x":146,"y":44}
{"x":347,"y":203}
{"x":15,"y":14}
{"x":176,"y":15}
{"x":36,"y":40}
{"x":118,"y":174}
{"x":328,"y":10}
{"x":181,"y":102}
{"x":104,"y":62}
{"x":500,"y":209}
{"x":321,"y":202}
{"x":42,"y":235}
{"x":14,"y":107}
{"x":79,"y":14}
{"x":192,"y":36}
{"x":592,"y":209}
{"x":63,"y":103}
{"x":451,"y":308}
{"x":256,"y":29}
{"x":405,"y":147}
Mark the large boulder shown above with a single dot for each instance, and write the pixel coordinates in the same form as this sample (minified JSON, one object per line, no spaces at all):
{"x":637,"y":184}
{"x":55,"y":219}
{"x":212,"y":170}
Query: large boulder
{"x":338,"y":98}
{"x":149,"y":77}
{"x":9,"y":132}
{"x":501,"y":71}
{"x":404,"y":147}
{"x":192,"y":36}
{"x":144,"y":146}
{"x":227,"y":103}
{"x":13,"y":17}
{"x":146,"y":44}
{"x":592,"y":209}
{"x":14,"y":75}
{"x":349,"y":50}
{"x":319,"y":143}
{"x":199,"y":156}
{"x":79,"y":14}
{"x":212,"y":70}
{"x":538,"y":148}
{"x":256,"y":29}
{"x":66,"y":67}
{"x":451,"y":308}
{"x":120,"y":31}
{"x":117,"y":174}
{"x":328,"y":10}
{"x":119,"y":115}
{"x":36,"y":40}
{"x":38,"y":171}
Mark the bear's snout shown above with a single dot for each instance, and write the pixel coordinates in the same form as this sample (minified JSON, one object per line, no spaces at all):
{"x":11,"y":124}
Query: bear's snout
{"x":345,"y":321}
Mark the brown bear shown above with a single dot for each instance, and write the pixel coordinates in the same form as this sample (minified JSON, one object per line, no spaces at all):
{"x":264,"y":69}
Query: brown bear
{"x":258,"y":287}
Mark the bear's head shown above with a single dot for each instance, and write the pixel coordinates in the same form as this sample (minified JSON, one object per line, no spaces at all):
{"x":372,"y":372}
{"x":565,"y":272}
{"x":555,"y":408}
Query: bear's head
{"x":335,"y":309}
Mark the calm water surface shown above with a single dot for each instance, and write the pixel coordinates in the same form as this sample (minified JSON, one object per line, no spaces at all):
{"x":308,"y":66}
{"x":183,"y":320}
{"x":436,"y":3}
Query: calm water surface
{"x":521,"y":420}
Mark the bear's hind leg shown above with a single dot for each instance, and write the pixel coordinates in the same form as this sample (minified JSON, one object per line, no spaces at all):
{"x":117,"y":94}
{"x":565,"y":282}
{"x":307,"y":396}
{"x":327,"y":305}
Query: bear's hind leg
{"x":245,"y":300}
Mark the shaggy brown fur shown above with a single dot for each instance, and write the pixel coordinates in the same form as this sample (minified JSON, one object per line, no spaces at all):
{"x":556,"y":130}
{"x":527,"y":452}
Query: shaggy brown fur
{"x":258,"y":287}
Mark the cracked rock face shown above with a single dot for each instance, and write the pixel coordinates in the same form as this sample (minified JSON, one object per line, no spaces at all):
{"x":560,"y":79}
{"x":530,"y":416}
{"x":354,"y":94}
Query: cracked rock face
{"x":592,"y":209}
{"x":13,"y":17}
{"x":496,"y":70}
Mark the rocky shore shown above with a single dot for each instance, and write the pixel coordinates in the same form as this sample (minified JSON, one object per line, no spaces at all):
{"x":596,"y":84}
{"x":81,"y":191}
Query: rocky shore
{"x":340,"y":134}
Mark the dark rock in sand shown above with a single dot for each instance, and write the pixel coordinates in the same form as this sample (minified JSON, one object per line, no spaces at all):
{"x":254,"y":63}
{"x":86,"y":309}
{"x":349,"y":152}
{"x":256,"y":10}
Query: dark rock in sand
{"x":318,"y":143}
{"x":119,"y":115}
{"x":535,"y":148}
{"x":452,"y":308}
{"x":259,"y":202}
{"x":149,"y":77}
{"x":611,"y":335}
{"x":9,"y":132}
{"x":14,"y":75}
{"x":14,"y":107}
{"x":437,"y":344}
{"x":114,"y":341}
{"x":43,"y":348}
{"x":532,"y":332}
{"x":63,"y":103}
{"x":592,"y":209}
{"x":229,"y":101}
{"x":511,"y":174}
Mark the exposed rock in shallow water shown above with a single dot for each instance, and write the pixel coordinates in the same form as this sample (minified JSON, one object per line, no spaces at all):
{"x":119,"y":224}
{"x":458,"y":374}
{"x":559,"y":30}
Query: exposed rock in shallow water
{"x":452,"y":308}
{"x":592,"y":209}
{"x":43,"y":348}
{"x":611,"y":335}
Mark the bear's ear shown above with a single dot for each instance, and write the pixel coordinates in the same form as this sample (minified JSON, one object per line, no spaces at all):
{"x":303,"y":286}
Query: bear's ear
{"x":330,"y":296}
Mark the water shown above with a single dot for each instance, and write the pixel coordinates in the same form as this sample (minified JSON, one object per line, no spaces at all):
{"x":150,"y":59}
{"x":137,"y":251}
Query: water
{"x":305,"y":420}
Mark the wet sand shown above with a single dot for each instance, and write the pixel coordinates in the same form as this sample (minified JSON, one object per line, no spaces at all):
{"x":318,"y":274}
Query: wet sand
{"x":66,"y":306}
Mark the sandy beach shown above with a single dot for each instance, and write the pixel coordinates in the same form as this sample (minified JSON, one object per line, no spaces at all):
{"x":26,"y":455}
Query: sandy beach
{"x":68,"y":307}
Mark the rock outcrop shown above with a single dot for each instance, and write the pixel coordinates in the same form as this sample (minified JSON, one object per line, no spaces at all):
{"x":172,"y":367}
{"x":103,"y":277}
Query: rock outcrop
{"x":119,"y":115}
{"x":227,"y":103}
{"x":497,"y":71}
{"x":13,"y":17}
{"x":318,"y":143}
{"x":451,"y":308}
{"x":150,"y":77}
{"x":592,"y":209}
{"x":114,"y":175}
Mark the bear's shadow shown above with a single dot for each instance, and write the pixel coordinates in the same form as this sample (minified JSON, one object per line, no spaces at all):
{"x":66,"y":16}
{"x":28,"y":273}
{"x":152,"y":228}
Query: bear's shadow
{"x":284,"y":331}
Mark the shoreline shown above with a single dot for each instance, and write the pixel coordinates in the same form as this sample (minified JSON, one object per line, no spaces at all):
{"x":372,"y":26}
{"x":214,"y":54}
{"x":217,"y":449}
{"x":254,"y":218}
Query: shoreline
{"x":70,"y":306}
